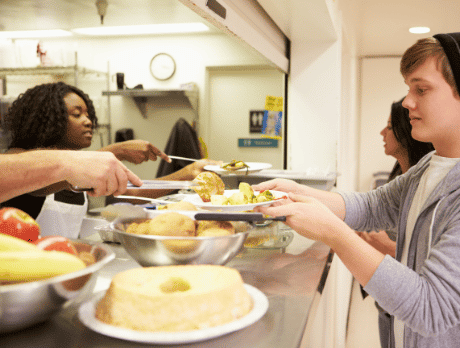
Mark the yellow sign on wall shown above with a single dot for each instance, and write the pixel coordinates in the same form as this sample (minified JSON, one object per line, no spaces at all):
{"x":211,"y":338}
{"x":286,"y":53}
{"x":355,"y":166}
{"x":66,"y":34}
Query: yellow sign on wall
{"x":273,"y":103}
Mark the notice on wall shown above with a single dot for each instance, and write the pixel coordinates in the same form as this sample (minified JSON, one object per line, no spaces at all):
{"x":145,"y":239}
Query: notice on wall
{"x":257,"y":142}
{"x":273,"y":116}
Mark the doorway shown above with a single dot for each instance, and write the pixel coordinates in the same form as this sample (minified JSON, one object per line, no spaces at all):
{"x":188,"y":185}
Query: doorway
{"x":232,"y":93}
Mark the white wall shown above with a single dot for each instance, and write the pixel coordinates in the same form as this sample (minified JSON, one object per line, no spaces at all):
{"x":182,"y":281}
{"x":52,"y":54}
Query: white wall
{"x":381,"y":85}
{"x":314,"y":106}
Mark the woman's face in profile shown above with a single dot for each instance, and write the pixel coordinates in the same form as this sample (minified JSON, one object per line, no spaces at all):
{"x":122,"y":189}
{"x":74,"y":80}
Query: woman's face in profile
{"x":391,"y":145}
{"x":79,"y":127}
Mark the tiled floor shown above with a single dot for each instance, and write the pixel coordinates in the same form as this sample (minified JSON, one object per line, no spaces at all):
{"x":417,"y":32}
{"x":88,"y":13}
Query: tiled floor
{"x":362,"y":321}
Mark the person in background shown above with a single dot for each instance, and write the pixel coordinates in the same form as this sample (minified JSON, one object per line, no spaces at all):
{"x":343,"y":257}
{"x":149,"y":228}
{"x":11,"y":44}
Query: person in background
{"x":420,"y":288}
{"x":61,"y":116}
{"x":33,"y":170}
{"x":407,"y":151}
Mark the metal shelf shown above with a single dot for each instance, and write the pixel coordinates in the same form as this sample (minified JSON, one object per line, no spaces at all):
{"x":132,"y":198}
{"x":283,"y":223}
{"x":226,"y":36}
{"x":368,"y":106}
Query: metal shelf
{"x":52,"y":70}
{"x":140,"y":96}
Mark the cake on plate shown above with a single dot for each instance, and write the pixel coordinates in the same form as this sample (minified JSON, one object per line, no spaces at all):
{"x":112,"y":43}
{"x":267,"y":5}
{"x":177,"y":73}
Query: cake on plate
{"x":174,"y":298}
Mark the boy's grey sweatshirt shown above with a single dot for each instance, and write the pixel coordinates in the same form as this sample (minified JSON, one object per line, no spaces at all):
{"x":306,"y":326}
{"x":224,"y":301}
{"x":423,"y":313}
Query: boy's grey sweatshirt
{"x":425,"y":294}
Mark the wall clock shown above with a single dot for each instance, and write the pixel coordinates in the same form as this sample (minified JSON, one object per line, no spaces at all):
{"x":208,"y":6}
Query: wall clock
{"x":162,"y":66}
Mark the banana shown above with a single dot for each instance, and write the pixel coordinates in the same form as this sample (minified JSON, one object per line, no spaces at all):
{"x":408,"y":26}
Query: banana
{"x":10,"y":243}
{"x":30,"y":265}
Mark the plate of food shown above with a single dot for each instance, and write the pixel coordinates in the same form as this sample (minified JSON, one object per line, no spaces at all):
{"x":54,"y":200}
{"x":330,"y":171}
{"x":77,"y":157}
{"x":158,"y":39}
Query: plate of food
{"x":238,"y":167}
{"x":88,"y":316}
{"x":235,"y":200}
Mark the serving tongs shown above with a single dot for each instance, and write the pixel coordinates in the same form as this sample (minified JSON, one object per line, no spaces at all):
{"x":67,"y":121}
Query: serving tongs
{"x":163,"y":184}
{"x":152,"y":185}
{"x":219,"y":216}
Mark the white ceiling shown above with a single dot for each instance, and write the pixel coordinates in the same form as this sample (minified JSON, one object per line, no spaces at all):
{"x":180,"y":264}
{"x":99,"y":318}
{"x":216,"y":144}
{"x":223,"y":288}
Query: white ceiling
{"x":384,"y":27}
{"x":379,"y":27}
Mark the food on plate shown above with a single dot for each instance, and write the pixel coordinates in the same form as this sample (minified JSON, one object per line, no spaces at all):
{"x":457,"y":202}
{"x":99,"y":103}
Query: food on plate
{"x":264,"y":196}
{"x":247,"y":190}
{"x":31,"y":265}
{"x":209,"y":184}
{"x":219,"y":200}
{"x":167,"y":224}
{"x":214,"y":228}
{"x":10,"y":243}
{"x":244,"y":195}
{"x":237,"y":198}
{"x":174,"y":298}
{"x":59,"y":243}
{"x":19,"y":224}
{"x":182,"y":205}
{"x":235,"y":165}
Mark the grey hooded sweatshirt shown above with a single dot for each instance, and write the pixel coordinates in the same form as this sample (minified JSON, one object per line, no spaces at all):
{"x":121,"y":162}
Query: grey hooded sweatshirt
{"x":425,"y":294}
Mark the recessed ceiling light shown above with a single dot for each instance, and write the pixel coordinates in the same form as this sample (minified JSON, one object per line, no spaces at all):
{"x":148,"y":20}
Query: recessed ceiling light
{"x":143,"y":29}
{"x":33,"y":34}
{"x":419,"y":30}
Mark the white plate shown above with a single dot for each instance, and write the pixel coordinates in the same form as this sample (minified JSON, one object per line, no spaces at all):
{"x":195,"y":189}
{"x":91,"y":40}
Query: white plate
{"x":87,"y":310}
{"x":198,"y":202}
{"x":254,"y":167}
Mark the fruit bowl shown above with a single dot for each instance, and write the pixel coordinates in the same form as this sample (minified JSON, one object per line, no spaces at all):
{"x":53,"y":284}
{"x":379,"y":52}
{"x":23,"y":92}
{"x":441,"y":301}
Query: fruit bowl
{"x":26,"y":304}
{"x":153,"y":250}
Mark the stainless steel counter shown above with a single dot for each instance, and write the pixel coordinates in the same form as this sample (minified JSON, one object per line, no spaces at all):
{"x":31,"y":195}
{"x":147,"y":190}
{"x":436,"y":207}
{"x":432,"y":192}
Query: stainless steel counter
{"x":292,"y":281}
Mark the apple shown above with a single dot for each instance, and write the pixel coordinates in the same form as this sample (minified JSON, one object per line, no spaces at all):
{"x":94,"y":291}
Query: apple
{"x":18,"y":223}
{"x":58,"y":243}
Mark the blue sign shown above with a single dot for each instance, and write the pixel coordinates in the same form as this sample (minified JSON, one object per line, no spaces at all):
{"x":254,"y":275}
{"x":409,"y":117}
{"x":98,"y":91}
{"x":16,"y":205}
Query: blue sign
{"x":257,"y":142}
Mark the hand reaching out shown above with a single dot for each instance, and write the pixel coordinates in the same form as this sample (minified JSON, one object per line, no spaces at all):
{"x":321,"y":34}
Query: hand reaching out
{"x":283,"y":185}
{"x":307,"y":216}
{"x":136,"y":151}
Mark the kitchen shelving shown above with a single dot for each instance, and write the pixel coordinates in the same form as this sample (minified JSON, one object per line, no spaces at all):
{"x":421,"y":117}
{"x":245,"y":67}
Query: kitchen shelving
{"x":140,"y":96}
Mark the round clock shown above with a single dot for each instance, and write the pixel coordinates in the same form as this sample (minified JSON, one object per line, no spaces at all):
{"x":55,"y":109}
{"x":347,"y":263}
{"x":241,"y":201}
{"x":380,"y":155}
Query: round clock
{"x":162,"y":66}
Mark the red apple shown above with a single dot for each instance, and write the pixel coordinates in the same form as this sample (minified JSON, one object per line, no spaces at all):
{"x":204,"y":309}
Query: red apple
{"x":58,"y":243}
{"x":19,"y":224}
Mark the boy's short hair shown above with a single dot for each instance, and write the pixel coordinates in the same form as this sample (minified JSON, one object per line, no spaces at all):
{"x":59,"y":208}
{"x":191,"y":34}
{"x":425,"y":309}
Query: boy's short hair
{"x":423,"y":49}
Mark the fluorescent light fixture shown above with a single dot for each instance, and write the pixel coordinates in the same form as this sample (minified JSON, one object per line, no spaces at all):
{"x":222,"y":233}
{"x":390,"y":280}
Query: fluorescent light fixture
{"x":419,"y":30}
{"x":143,"y":29}
{"x":33,"y":34}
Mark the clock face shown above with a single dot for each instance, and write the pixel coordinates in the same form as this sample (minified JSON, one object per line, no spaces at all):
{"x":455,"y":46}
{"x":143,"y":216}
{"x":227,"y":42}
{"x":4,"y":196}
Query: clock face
{"x":162,"y":66}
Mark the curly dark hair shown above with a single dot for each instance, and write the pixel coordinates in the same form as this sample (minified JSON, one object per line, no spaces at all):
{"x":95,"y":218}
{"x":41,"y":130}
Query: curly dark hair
{"x":38,"y":118}
{"x":400,"y":122}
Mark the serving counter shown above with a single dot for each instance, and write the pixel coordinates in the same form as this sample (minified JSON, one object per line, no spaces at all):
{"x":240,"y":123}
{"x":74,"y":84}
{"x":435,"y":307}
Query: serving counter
{"x":292,"y":279}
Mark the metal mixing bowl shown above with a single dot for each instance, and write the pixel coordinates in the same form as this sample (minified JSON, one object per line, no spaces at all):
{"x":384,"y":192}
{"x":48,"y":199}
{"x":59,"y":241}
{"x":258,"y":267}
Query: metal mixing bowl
{"x":153,"y":250}
{"x":26,"y":304}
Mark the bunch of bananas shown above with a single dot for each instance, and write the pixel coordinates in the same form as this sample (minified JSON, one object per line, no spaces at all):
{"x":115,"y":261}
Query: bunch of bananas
{"x":21,"y":261}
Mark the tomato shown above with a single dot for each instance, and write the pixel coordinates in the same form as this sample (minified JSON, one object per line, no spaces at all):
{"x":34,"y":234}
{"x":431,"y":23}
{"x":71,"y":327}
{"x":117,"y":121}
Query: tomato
{"x":17,"y":223}
{"x":58,"y":243}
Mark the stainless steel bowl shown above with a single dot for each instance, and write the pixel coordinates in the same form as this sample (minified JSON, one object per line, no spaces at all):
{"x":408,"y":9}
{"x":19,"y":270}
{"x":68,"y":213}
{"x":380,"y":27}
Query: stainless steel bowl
{"x":26,"y":304}
{"x":152,"y":250}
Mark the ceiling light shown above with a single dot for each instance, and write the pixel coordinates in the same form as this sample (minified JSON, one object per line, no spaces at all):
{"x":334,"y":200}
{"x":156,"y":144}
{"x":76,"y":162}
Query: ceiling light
{"x":33,"y":34}
{"x":419,"y":30}
{"x":101,"y":6}
{"x":143,"y":29}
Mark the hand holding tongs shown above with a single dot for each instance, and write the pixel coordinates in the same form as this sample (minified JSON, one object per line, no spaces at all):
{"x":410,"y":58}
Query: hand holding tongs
{"x":152,"y":185}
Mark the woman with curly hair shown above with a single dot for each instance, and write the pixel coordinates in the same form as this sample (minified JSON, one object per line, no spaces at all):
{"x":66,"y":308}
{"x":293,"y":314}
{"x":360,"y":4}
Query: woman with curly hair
{"x":60,"y":116}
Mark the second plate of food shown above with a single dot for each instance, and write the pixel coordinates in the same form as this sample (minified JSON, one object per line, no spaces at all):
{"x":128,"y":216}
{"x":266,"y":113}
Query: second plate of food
{"x":252,"y":167}
{"x":198,"y":202}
